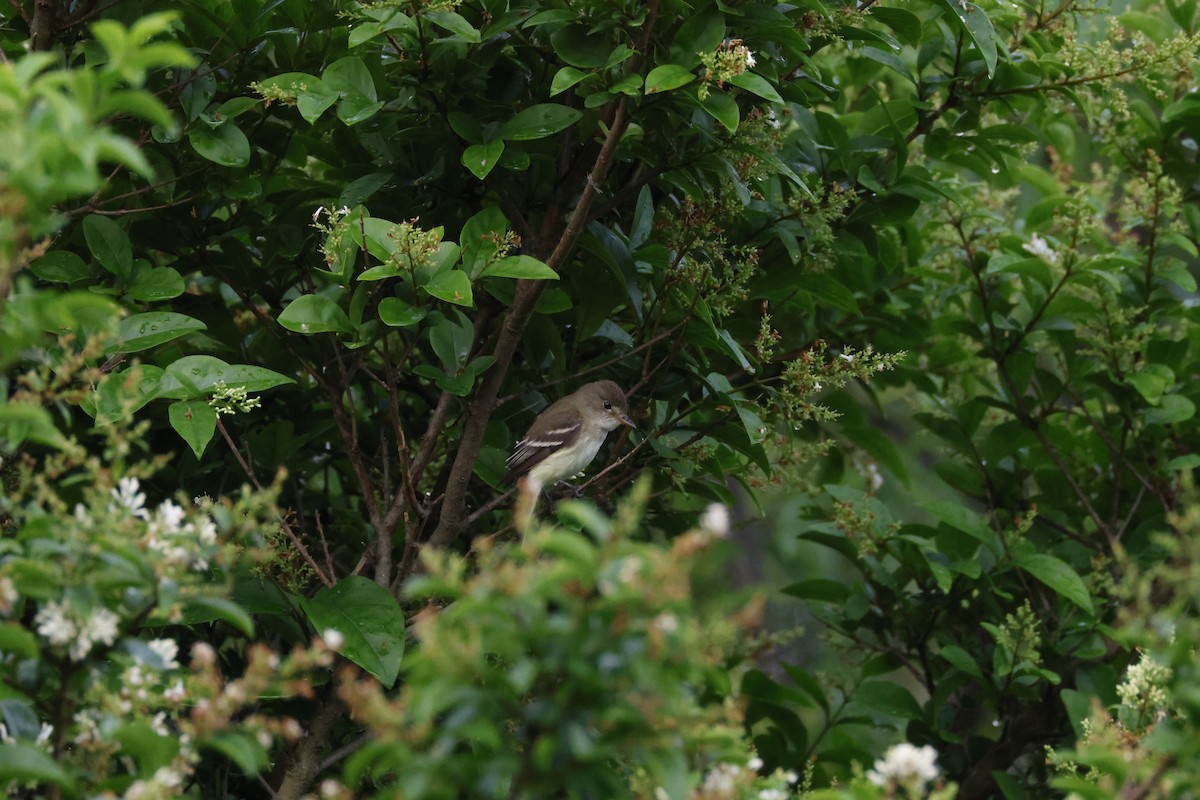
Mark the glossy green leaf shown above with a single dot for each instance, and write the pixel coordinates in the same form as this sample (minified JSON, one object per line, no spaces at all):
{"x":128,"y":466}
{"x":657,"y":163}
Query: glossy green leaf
{"x":140,"y":332}
{"x":396,"y":313}
{"x":21,"y":762}
{"x":453,"y":286}
{"x":195,"y":421}
{"x":565,"y":78}
{"x":536,"y":122}
{"x":666,"y":77}
{"x":978,"y":27}
{"x":369,"y":619}
{"x":193,"y":377}
{"x":109,"y":245}
{"x":1058,"y":575}
{"x":723,"y":108}
{"x":60,"y":266}
{"x":314,"y":313}
{"x":519,"y":267}
{"x":225,"y":144}
{"x":756,"y":84}
{"x":154,"y":285}
{"x":25,"y":422}
{"x":481,"y":158}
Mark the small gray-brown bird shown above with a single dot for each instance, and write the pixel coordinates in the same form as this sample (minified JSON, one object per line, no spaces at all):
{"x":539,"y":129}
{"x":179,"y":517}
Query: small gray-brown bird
{"x":567,"y":435}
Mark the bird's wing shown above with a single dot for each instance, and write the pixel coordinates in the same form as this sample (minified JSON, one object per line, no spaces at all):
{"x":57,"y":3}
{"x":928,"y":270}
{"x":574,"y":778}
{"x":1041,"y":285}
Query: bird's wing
{"x":537,"y":446}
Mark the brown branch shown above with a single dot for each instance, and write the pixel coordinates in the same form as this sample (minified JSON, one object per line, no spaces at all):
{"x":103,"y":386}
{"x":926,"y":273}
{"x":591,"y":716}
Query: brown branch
{"x":305,"y":763}
{"x":453,"y":516}
{"x":43,"y":27}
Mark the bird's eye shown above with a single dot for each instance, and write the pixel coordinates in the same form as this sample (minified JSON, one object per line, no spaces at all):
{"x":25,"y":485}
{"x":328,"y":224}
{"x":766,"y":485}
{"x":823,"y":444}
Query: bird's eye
{"x":607,"y":406}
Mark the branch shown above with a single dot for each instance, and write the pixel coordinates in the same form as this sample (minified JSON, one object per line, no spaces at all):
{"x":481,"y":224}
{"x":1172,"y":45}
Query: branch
{"x":305,"y":761}
{"x":453,"y":517}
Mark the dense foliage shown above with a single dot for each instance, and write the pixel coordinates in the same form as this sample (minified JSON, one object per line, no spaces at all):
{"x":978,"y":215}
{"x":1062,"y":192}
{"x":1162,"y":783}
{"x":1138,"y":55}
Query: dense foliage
{"x":913,"y":282}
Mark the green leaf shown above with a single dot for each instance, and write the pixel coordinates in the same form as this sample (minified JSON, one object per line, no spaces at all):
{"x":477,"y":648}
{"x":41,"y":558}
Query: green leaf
{"x":536,"y":122}
{"x":1058,"y":575}
{"x":565,"y":78}
{"x":350,"y":75}
{"x":889,"y":698}
{"x":60,"y":266}
{"x":1152,"y":381}
{"x":481,"y":158}
{"x":242,"y":749}
{"x":195,"y":421}
{"x":453,"y":286}
{"x":199,"y":608}
{"x":16,"y":639}
{"x":153,"y":285}
{"x":756,"y":84}
{"x":455,"y":23}
{"x":451,"y":341}
{"x":21,"y":762}
{"x":369,"y":619}
{"x":578,"y":46}
{"x":819,"y":589}
{"x":148,"y":748}
{"x":978,"y":26}
{"x":25,"y":422}
{"x":396,"y":313}
{"x":149,"y":329}
{"x":193,"y":377}
{"x":1172,"y":410}
{"x":961,"y":659}
{"x":519,"y":267}
{"x":965,"y":520}
{"x":225,"y":145}
{"x":315,"y":313}
{"x":723,"y":108}
{"x":109,"y":245}
{"x":666,"y":77}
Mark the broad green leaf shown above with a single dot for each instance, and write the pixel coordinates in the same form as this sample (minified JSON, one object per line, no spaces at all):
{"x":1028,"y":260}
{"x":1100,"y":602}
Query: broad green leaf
{"x":1172,"y":410}
{"x":978,"y":26}
{"x":21,"y":762}
{"x":565,"y":78}
{"x":60,"y":266}
{"x":961,"y":659}
{"x":819,"y":589}
{"x":350,"y":75}
{"x":536,"y":122}
{"x":481,"y":158}
{"x":396,"y":313}
{"x":723,"y":108}
{"x":756,"y":84}
{"x":142,"y":331}
{"x":890,"y":698}
{"x":195,"y":421}
{"x":578,"y":46}
{"x":1152,"y":381}
{"x":519,"y":267}
{"x":241,"y":748}
{"x":666,"y":77}
{"x":201,"y":608}
{"x":481,"y":235}
{"x":193,"y":377}
{"x":148,"y":748}
{"x":109,"y":245}
{"x":1058,"y":575}
{"x":315,"y":313}
{"x":369,"y":620}
{"x":963,"y":519}
{"x":225,"y":144}
{"x":455,"y":23}
{"x":18,"y":640}
{"x":453,"y":286}
{"x":451,"y":341}
{"x":153,"y":285}
{"x":25,"y":422}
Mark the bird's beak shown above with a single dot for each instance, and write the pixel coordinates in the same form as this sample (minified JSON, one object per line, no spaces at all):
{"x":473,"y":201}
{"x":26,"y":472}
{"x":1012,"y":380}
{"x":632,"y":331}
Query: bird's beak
{"x":624,"y":418}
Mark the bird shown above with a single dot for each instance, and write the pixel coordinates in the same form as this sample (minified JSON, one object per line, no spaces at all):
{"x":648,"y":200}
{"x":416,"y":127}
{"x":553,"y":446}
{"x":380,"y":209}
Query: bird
{"x":566,"y":437}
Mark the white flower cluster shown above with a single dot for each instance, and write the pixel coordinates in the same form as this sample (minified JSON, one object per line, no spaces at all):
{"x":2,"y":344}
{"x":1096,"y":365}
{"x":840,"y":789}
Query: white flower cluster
{"x":1041,"y":248}
{"x":721,"y":782}
{"x":1145,"y":685}
{"x":905,"y":765}
{"x":61,"y":624}
{"x":176,"y":538}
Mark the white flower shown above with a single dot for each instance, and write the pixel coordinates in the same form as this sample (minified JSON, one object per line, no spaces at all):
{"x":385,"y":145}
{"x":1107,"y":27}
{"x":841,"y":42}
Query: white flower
{"x":53,"y":624}
{"x":344,"y":210}
{"x":317,"y":214}
{"x":45,"y":733}
{"x":791,"y":776}
{"x":907,"y":765}
{"x":847,"y":357}
{"x":169,"y":518}
{"x":755,"y":763}
{"x":750,"y":62}
{"x":166,"y":650}
{"x":1041,"y":248}
{"x":817,"y":386}
{"x":715,"y":520}
{"x":772,"y":794}
{"x":874,"y":478}
{"x":330,"y":788}
{"x":721,"y":782}
{"x":203,"y":654}
{"x":333,"y":639}
{"x":667,"y":623}
{"x":176,"y":693}
{"x":127,"y":495}
{"x":102,"y":626}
